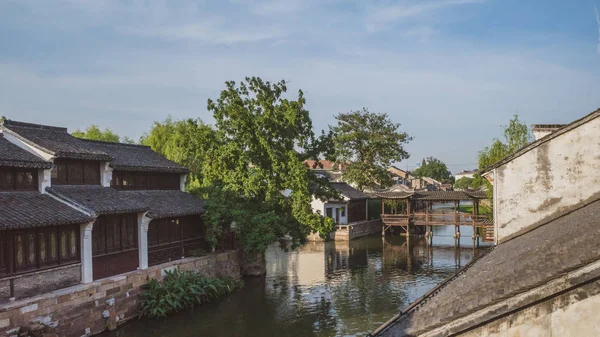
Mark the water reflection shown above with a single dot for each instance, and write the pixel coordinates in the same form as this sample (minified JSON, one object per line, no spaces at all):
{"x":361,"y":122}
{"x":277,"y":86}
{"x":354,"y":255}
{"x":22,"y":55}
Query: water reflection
{"x":323,"y":289}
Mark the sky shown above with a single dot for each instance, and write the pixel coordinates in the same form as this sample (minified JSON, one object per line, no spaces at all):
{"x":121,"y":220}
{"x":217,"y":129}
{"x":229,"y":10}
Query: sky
{"x":451,"y":72}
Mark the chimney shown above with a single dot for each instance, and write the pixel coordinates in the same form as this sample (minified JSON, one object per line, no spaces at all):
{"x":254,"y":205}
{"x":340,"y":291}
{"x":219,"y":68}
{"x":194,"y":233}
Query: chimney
{"x":542,"y":130}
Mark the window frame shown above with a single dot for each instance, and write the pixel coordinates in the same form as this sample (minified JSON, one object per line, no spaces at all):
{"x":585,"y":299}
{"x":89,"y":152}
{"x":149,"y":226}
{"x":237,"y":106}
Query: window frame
{"x":14,"y":184}
{"x":112,"y":227}
{"x":64,"y":172}
{"x":10,"y":246}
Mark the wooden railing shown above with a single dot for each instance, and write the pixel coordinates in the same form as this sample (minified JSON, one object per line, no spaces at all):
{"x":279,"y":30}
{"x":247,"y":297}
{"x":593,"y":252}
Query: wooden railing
{"x":448,"y":218}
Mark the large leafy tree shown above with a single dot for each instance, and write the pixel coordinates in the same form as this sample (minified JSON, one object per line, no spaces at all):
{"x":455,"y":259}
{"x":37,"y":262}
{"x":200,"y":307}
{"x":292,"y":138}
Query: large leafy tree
{"x":367,"y":144}
{"x":516,"y":136}
{"x":436,"y":169}
{"x":93,"y":132}
{"x":256,"y":160}
{"x":186,"y":142}
{"x":463,"y":183}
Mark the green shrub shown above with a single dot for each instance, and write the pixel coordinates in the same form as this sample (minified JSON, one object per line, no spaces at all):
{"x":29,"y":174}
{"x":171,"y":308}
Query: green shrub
{"x":182,"y":290}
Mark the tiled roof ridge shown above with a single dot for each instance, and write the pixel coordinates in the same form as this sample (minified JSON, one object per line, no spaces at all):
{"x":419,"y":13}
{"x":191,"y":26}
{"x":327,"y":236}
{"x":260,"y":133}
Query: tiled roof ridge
{"x":115,"y":143}
{"x":591,"y":116}
{"x":11,"y":123}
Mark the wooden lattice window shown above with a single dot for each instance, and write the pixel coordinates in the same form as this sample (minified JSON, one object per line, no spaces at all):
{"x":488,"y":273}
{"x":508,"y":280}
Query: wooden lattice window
{"x":38,"y":248}
{"x":75,"y":172}
{"x":114,"y":233}
{"x":18,"y":180}
{"x":144,"y":181}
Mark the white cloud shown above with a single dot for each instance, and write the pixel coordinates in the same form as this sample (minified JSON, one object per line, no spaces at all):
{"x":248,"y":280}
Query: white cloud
{"x":380,"y":17}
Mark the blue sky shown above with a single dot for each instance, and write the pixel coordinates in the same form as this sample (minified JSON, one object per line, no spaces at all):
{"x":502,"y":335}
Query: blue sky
{"x":450,"y":71}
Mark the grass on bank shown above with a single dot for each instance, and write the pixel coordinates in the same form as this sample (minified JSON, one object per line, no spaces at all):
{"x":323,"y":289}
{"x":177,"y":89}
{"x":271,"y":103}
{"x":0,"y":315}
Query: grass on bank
{"x":483,"y":210}
{"x":182,"y":290}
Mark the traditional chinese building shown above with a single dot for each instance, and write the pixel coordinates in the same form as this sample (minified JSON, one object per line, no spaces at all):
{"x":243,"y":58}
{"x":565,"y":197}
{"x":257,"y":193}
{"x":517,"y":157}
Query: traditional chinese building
{"x":74,"y":211}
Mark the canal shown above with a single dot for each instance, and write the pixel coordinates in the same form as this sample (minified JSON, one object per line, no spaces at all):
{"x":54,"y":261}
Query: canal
{"x":323,"y":289}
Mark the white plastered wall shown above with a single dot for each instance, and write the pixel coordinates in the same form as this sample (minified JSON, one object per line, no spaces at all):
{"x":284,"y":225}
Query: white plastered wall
{"x":553,"y":177}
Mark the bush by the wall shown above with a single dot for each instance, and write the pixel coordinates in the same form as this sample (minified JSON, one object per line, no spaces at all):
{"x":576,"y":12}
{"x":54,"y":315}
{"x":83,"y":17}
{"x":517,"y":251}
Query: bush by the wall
{"x":182,"y":290}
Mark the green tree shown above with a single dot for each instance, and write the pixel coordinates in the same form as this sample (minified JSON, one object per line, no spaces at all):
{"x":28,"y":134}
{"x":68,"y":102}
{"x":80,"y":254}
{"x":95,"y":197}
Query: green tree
{"x":256,"y":159}
{"x":93,"y":132}
{"x":2,"y":118}
{"x":516,"y":136}
{"x":436,"y":169}
{"x":186,"y":142}
{"x":463,"y":183}
{"x":368,"y":143}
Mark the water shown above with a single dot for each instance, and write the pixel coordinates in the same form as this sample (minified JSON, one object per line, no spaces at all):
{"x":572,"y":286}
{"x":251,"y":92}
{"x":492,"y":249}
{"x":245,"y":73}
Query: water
{"x":323,"y":289}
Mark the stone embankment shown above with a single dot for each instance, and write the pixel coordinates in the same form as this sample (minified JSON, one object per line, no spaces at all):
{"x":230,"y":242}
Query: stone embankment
{"x":88,"y":309}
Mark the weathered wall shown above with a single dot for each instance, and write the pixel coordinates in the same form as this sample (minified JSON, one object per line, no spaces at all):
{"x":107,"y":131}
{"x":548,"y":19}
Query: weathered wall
{"x":88,"y":309}
{"x":574,"y":313}
{"x":555,"y":176}
{"x":357,"y":230}
{"x":42,"y":281}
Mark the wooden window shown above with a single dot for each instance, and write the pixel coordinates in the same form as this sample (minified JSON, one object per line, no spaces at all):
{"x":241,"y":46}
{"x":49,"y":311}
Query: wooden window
{"x":75,"y":172}
{"x":144,"y":181}
{"x":38,"y":248}
{"x":18,"y":180}
{"x":114,"y":233}
{"x":91,"y":173}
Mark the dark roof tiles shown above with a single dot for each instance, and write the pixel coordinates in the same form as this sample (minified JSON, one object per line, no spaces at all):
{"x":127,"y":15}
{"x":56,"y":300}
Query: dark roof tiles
{"x":13,"y":156}
{"x":98,"y":199}
{"x":53,"y":140}
{"x":166,"y":204}
{"x":545,"y":253}
{"x":131,"y":157}
{"x":349,"y":191}
{"x":33,"y":209}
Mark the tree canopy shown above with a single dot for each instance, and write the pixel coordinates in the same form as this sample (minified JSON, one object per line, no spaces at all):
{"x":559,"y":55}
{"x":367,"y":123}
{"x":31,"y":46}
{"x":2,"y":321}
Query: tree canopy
{"x":93,"y":132}
{"x":436,"y":169}
{"x":463,"y":183}
{"x":516,"y":136}
{"x":367,"y":144}
{"x":249,"y":165}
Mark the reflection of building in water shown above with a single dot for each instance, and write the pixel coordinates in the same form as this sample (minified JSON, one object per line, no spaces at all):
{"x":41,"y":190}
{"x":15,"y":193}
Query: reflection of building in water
{"x":345,"y":255}
{"x":306,"y":265}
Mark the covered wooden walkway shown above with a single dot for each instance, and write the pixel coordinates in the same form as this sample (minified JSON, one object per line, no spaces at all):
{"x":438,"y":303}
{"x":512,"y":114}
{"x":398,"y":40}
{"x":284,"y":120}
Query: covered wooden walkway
{"x":413,"y":212}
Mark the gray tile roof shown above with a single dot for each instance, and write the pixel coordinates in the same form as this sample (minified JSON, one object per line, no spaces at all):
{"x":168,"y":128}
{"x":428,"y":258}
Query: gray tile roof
{"x":349,"y":191}
{"x":131,"y":157}
{"x":14,"y":156}
{"x":167,"y":204}
{"x":98,"y":199}
{"x":53,"y":140}
{"x":563,"y":244}
{"x":33,"y":209}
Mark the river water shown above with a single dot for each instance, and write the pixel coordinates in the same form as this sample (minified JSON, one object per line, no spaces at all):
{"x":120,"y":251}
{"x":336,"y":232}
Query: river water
{"x":323,"y":289}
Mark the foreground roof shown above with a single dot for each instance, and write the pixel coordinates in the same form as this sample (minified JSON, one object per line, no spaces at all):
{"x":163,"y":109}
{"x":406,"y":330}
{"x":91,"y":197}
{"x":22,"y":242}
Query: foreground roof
{"x":33,"y":209}
{"x":349,"y":191}
{"x":14,"y":156}
{"x":132,"y":157}
{"x":98,"y":199}
{"x":53,"y":140}
{"x":561,"y":244}
{"x":543,"y":140}
{"x":166,"y":204}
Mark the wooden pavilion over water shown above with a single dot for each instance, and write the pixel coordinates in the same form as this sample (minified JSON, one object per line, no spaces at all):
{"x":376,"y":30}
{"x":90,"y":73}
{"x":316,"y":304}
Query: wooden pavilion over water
{"x":412,"y":211}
